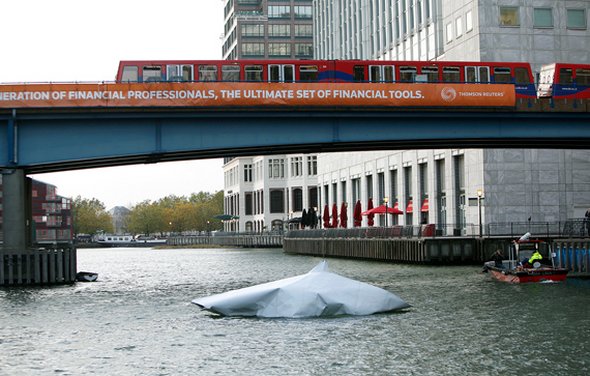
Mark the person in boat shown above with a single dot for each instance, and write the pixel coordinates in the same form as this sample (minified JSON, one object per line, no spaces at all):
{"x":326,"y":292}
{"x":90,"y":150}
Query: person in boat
{"x":497,"y":258}
{"x":535,"y":257}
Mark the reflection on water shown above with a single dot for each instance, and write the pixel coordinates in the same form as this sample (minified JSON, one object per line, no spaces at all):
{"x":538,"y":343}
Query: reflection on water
{"x":137,"y":319}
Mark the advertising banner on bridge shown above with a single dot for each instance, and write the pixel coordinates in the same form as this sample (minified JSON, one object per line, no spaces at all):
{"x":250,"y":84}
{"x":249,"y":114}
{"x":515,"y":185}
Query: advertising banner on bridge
{"x":256,"y":94}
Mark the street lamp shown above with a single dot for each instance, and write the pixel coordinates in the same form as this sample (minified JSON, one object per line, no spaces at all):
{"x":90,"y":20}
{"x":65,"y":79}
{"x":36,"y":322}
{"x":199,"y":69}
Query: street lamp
{"x":385,"y":201}
{"x":479,"y":198}
{"x":208,"y":232}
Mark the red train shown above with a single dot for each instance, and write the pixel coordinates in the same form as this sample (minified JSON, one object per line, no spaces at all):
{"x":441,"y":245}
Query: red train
{"x":518,"y":73}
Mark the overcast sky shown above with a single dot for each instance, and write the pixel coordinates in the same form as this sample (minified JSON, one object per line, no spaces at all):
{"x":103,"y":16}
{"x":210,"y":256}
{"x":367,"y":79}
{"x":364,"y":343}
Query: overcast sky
{"x":74,"y":40}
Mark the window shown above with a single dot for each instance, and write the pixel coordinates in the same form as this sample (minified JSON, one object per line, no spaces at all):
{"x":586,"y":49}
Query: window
{"x":279,"y":49}
{"x":297,"y":199}
{"x":130,"y":73}
{"x":207,"y":73}
{"x":468,"y":21}
{"x":312,"y":165}
{"x":576,"y":19}
{"x":249,"y":203}
{"x":279,"y":31}
{"x":230,"y":73}
{"x":542,"y":17}
{"x":279,"y":11}
{"x":509,"y":17}
{"x":253,"y":49}
{"x":565,"y":76}
{"x":152,"y":74}
{"x":381,"y":73}
{"x":358,"y":73}
{"x":248,"y":173}
{"x":277,"y":202}
{"x":179,"y":73}
{"x":502,"y":75}
{"x":451,"y":74}
{"x":521,"y":76}
{"x":582,"y":77}
{"x":303,"y":30}
{"x":308,"y":73}
{"x":276,"y":168}
{"x":253,"y":72}
{"x":449,"y":33}
{"x":407,"y":74}
{"x":459,"y":26}
{"x":253,"y":30}
{"x":431,"y":73}
{"x":303,"y":49}
{"x":297,"y":166}
{"x":302,"y":11}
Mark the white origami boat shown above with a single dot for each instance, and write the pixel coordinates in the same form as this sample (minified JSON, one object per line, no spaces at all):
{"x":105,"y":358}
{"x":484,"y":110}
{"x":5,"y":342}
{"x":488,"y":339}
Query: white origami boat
{"x":314,"y":294}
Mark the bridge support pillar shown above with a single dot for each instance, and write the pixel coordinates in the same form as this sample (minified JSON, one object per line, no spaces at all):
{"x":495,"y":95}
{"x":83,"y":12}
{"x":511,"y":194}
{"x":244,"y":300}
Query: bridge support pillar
{"x":16,"y":210}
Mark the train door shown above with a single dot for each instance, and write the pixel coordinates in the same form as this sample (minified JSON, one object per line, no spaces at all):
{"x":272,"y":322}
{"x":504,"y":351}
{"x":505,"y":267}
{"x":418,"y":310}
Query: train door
{"x":179,"y":73}
{"x":477,"y":75}
{"x":281,"y":73}
{"x":381,"y":73}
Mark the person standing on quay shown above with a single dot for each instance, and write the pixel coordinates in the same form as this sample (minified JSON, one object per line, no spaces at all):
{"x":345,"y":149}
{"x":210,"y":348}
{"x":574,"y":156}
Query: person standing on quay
{"x":587,"y":221}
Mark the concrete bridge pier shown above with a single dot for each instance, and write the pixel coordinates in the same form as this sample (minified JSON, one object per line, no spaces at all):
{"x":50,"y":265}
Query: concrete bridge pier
{"x":16,"y":211}
{"x":20,"y":263}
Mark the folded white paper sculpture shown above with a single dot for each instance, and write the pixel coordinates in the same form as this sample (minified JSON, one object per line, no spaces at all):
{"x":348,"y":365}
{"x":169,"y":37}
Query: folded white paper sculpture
{"x":317,"y":293}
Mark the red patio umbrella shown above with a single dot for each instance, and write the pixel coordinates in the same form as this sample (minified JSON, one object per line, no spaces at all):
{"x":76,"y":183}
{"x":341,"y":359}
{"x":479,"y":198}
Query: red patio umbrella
{"x":381,"y":209}
{"x":326,"y":216}
{"x":334,"y":216}
{"x":358,"y":219}
{"x":343,"y":216}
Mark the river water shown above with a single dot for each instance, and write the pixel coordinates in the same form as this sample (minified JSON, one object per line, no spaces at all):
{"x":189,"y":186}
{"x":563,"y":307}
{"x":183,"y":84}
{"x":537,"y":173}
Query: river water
{"x":137,"y":319}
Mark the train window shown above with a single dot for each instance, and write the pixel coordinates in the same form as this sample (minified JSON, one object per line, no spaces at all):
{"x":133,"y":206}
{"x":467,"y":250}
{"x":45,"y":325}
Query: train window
{"x":381,"y":73}
{"x":388,"y":73}
{"x":281,"y":73}
{"x":207,"y":73}
{"x":230,"y":73}
{"x":431,"y":73}
{"x":470,"y":74}
{"x":374,"y":73}
{"x":565,"y":76}
{"x":451,"y":74}
{"x":502,"y":75}
{"x":358,"y":73}
{"x":583,"y":77}
{"x":130,"y":73}
{"x":253,"y":72}
{"x":407,"y":74}
{"x":308,"y":73}
{"x":152,"y":74}
{"x":179,"y":73}
{"x":484,"y":75}
{"x":521,"y":76}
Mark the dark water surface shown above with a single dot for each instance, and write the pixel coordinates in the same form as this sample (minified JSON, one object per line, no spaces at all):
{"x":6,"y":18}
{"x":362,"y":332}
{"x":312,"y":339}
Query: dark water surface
{"x":138,"y":320}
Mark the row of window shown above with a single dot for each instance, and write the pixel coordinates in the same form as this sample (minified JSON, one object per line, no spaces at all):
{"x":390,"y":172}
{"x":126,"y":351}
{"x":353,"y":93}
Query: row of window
{"x":285,"y":11}
{"x":543,"y":17}
{"x":455,"y":29}
{"x":277,"y":49}
{"x":277,"y":30}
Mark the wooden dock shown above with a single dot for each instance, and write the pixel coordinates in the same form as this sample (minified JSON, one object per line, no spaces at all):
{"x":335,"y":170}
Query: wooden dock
{"x":234,"y":240}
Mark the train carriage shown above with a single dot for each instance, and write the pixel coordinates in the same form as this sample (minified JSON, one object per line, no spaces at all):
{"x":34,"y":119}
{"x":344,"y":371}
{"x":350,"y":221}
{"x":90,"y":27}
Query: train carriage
{"x":564,"y":81}
{"x":517,"y":73}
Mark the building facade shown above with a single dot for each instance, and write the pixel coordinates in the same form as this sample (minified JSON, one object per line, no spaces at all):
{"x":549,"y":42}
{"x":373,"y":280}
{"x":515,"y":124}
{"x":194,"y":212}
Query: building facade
{"x":539,"y":32}
{"x":457,"y":189}
{"x":266,"y":193}
{"x":268,"y":29}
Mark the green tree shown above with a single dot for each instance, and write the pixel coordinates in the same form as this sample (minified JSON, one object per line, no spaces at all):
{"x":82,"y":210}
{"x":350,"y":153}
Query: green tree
{"x":146,"y":218}
{"x":90,"y":216}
